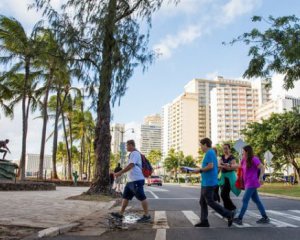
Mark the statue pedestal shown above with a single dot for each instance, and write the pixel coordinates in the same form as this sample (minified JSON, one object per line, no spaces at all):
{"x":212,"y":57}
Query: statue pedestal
{"x":7,"y":170}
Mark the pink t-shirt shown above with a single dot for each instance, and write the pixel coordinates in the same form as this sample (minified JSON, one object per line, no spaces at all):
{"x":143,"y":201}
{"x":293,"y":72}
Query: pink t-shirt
{"x":250,"y":175}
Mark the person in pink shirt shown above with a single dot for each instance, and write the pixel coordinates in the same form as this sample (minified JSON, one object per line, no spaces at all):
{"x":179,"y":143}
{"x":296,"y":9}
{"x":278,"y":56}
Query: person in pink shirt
{"x":253,"y":171}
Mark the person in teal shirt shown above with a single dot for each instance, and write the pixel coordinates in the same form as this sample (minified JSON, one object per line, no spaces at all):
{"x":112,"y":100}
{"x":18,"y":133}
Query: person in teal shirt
{"x":209,"y":173}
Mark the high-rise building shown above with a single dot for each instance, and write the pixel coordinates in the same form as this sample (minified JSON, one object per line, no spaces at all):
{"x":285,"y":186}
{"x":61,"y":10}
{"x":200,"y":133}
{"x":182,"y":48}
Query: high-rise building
{"x":210,"y":114}
{"x":232,"y":107}
{"x":165,"y":127}
{"x":117,"y":133}
{"x":153,"y":119}
{"x":180,"y":125}
{"x":151,"y":134}
{"x":279,"y":105}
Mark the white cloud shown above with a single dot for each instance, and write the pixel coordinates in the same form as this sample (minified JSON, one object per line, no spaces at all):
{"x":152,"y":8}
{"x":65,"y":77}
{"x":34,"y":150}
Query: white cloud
{"x":19,"y":10}
{"x":183,"y":37}
{"x":12,"y":130}
{"x":214,"y":14}
{"x":236,"y":8}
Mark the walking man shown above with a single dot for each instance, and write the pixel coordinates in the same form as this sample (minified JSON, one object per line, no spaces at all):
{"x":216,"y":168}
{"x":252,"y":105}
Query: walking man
{"x":4,"y":148}
{"x":209,"y":173}
{"x":135,"y":184}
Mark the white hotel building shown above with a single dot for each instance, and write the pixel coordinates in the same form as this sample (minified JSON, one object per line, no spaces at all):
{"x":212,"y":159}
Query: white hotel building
{"x":217,"y":109}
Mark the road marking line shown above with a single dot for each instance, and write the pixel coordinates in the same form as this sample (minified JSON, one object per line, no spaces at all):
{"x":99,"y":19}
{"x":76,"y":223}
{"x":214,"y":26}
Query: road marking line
{"x":245,"y":225}
{"x":156,"y":189}
{"x":295,"y":211}
{"x":192,"y":217}
{"x":284,"y":215}
{"x":161,"y":234}
{"x":154,"y":195}
{"x":275,"y":222}
{"x":160,"y":220}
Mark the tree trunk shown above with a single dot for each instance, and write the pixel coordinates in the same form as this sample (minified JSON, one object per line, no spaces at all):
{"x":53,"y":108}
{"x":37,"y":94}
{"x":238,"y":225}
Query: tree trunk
{"x":67,"y":146}
{"x":89,"y":165}
{"x":102,"y":132}
{"x":44,"y":130}
{"x":71,"y":146}
{"x":55,"y":135}
{"x":66,"y":137}
{"x":24,"y":121}
{"x":297,"y":170}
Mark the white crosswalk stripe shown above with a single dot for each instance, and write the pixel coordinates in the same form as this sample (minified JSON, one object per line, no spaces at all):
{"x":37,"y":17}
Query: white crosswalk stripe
{"x":191,"y":216}
{"x":295,"y":211}
{"x":160,"y":220}
{"x":245,"y":225}
{"x":188,"y":218}
{"x":284,"y":215}
{"x":275,"y":222}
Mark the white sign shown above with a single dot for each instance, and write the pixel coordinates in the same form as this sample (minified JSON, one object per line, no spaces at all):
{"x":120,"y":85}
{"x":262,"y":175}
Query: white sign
{"x":238,"y":146}
{"x":268,"y":156}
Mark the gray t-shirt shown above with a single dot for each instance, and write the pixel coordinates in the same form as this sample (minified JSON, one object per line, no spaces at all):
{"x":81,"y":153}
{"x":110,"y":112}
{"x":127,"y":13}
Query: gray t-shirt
{"x":135,"y":174}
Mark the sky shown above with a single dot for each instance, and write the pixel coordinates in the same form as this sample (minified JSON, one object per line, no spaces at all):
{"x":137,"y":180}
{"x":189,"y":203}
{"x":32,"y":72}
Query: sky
{"x":189,"y":37}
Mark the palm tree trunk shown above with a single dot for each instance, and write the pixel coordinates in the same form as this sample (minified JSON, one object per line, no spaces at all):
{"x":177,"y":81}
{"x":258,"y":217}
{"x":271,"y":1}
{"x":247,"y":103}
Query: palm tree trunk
{"x":24,"y":121}
{"x":44,"y":130}
{"x":89,"y":165}
{"x":67,"y":146}
{"x":70,"y":149}
{"x":55,"y":135}
{"x":102,"y":132}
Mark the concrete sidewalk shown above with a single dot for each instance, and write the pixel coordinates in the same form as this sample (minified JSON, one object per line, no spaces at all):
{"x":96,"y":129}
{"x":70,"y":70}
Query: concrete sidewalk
{"x":45,"y":209}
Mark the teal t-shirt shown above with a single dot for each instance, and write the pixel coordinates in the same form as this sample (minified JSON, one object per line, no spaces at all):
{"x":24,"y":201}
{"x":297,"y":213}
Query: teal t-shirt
{"x":210,"y":178}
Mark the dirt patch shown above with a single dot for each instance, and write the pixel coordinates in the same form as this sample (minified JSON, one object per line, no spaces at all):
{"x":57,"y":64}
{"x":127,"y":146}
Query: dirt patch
{"x":96,"y":198}
{"x":16,"y":232}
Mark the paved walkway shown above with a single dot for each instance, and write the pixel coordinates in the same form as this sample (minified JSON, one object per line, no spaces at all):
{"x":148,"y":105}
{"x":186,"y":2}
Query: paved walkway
{"x":45,"y":208}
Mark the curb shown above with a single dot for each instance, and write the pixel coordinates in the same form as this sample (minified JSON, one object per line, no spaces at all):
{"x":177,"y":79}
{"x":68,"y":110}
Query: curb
{"x":56,"y":231}
{"x":279,"y":196}
{"x":52,"y":231}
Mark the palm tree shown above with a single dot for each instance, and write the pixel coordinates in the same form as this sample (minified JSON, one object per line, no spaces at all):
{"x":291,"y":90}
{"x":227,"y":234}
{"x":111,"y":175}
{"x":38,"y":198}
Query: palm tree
{"x":83,"y":122}
{"x":20,"y":50}
{"x":5,"y":96}
{"x":52,"y":61}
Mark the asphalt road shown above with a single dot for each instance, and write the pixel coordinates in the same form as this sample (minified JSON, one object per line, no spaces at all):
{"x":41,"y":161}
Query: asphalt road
{"x":175,"y":209}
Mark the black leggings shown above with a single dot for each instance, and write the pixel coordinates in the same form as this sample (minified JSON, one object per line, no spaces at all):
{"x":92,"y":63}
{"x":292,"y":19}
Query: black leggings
{"x":225,"y":195}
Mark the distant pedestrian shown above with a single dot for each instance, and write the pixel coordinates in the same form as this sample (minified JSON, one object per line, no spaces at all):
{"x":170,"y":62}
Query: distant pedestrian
{"x":135,"y":184}
{"x":253,"y":171}
{"x":3,"y":148}
{"x":209,"y":172}
{"x":228,"y":167}
{"x":118,"y":179}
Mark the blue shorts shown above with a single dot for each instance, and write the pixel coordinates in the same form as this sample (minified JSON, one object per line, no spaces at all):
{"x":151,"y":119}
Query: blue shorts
{"x":135,"y":189}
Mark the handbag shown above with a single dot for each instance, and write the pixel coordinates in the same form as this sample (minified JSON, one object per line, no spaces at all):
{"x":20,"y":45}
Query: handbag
{"x":240,"y":180}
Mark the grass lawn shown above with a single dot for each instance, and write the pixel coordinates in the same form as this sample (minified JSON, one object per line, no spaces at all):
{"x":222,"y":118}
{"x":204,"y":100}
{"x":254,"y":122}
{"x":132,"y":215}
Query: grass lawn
{"x":282,"y":189}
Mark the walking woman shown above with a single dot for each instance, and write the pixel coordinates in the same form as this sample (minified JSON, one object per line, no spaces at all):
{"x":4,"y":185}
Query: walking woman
{"x":253,"y":171}
{"x":228,"y":165}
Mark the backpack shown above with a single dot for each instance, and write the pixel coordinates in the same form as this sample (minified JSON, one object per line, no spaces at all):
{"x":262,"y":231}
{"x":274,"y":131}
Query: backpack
{"x":147,"y":169}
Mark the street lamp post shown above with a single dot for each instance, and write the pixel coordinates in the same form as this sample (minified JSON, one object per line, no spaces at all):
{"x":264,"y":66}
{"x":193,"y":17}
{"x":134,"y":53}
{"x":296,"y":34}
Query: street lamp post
{"x":122,"y":144}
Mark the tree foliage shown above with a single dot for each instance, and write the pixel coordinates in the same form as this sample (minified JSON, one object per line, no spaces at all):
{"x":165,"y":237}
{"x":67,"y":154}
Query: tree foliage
{"x":275,"y":49}
{"x":106,"y":39}
{"x":154,"y":157}
{"x":279,"y":134}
